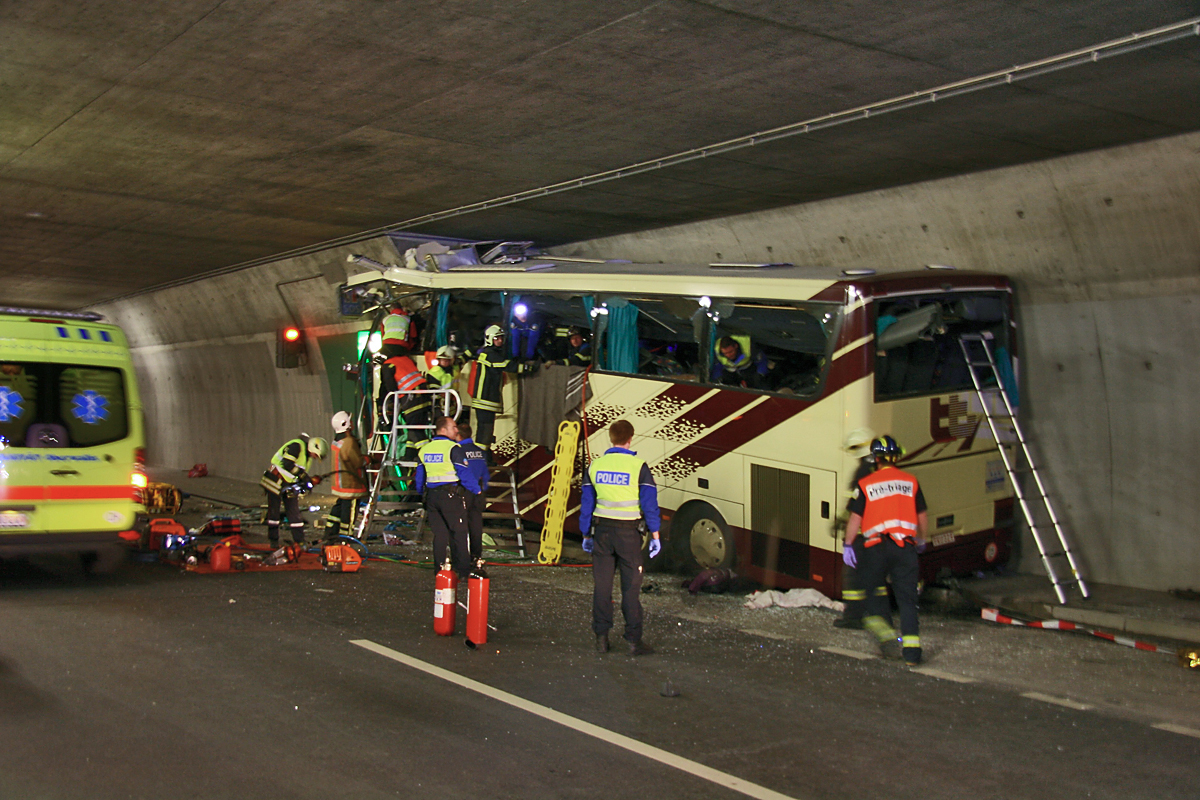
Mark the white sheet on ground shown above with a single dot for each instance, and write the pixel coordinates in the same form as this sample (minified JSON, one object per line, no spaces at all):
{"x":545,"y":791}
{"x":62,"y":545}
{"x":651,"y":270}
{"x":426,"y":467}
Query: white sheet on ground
{"x":793,"y":598}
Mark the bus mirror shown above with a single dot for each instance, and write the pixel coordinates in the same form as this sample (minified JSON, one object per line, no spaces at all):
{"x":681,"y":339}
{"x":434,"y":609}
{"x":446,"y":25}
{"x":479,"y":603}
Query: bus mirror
{"x":908,"y":328}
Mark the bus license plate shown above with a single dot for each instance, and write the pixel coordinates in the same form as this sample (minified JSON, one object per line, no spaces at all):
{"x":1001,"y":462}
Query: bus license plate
{"x":11,"y":519}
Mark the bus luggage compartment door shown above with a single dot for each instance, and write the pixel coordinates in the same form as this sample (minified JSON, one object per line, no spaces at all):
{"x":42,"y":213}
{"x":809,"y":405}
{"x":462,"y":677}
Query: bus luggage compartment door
{"x":791,"y":525}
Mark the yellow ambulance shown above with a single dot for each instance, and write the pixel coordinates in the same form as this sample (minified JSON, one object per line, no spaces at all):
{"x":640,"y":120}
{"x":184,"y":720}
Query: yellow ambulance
{"x":71,"y":435}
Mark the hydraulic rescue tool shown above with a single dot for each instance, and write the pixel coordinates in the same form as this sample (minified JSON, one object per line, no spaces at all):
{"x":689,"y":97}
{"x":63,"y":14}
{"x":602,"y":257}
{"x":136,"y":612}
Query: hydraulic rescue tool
{"x":445,"y":610}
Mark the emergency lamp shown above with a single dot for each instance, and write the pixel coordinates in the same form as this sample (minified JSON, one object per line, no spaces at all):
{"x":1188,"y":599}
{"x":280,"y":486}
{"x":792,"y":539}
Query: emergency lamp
{"x":290,"y":348}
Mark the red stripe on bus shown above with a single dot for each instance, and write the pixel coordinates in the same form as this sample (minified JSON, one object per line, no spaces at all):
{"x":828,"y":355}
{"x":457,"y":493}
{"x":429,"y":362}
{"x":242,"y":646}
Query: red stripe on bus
{"x":22,"y":492}
{"x":124,"y":492}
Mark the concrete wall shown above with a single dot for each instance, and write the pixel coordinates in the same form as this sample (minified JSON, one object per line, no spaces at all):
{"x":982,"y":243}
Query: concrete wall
{"x":205,"y":357}
{"x":1105,"y":249}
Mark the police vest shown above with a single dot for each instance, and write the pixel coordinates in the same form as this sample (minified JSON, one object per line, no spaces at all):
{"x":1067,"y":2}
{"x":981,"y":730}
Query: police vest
{"x":439,"y":469}
{"x":891,"y":507}
{"x":301,"y":460}
{"x":615,"y":476}
{"x":742,"y":360}
{"x":395,"y":329}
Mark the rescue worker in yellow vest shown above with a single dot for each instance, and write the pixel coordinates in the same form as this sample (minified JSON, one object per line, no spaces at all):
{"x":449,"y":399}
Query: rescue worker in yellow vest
{"x":286,"y":479}
{"x":442,"y":374}
{"x":491,"y":364}
{"x":889,"y":510}
{"x":399,"y":334}
{"x":618,"y":494}
{"x":737,"y":363}
{"x":447,"y":481}
{"x":347,"y":481}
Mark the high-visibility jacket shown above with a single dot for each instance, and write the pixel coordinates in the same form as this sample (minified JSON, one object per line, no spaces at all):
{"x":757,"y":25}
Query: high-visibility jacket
{"x":398,"y":329}
{"x":444,"y":378}
{"x":615,"y":479}
{"x":487,"y":378}
{"x":435,"y":456}
{"x":891,"y":506}
{"x":288,"y":465}
{"x":741,"y":362}
{"x":347,"y":467}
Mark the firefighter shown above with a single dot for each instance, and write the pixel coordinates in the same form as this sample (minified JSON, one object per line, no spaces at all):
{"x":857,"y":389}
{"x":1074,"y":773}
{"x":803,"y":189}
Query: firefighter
{"x":399,"y":373}
{"x":442,"y":374}
{"x":286,"y":479}
{"x":853,"y":595}
{"x":888,"y":508}
{"x":618,"y":494}
{"x":446,"y":480}
{"x":476,"y":502}
{"x":579,"y":353}
{"x":491,"y":364}
{"x":349,"y":485}
{"x":738,"y":363}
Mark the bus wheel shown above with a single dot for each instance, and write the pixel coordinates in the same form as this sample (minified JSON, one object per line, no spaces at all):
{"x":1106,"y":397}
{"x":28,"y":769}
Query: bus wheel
{"x":701,"y":538}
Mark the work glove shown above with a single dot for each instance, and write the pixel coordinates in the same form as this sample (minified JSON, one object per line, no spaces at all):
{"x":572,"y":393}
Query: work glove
{"x":921,"y":546}
{"x":588,"y":543}
{"x":849,"y":558}
{"x":655,"y":547}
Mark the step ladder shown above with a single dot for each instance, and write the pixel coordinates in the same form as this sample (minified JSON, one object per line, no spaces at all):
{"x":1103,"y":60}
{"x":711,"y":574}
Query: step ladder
{"x":505,"y":524}
{"x":997,"y":409}
{"x":385,"y":453}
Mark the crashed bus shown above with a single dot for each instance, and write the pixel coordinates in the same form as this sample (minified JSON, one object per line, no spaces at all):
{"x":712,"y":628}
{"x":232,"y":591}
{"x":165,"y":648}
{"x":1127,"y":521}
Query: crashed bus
{"x":752,"y":476}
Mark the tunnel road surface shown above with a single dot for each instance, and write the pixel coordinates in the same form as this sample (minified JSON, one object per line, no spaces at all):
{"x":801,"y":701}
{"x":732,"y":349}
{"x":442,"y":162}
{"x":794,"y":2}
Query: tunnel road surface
{"x":151,"y":683}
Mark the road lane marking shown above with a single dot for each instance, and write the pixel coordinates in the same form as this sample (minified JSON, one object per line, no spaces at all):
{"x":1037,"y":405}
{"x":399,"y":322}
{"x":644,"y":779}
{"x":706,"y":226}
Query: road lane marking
{"x":632,"y":745}
{"x":841,"y":651}
{"x":1058,"y":701}
{"x":1171,"y":727}
{"x":944,"y":676}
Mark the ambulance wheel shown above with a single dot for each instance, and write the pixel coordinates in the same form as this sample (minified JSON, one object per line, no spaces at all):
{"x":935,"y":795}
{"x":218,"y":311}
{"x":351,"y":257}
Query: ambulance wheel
{"x":701,"y":538}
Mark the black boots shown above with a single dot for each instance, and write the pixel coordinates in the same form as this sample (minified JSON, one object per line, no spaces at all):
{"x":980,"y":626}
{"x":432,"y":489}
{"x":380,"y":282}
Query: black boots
{"x":601,"y":642}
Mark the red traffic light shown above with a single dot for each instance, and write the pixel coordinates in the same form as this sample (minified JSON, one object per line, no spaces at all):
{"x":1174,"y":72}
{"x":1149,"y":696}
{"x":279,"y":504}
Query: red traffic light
{"x":291,"y":334}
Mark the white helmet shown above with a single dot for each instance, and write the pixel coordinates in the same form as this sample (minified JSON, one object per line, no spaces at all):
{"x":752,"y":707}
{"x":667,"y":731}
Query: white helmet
{"x":342,"y":422}
{"x":318,"y":447}
{"x":446,"y":351}
{"x":489,"y":336}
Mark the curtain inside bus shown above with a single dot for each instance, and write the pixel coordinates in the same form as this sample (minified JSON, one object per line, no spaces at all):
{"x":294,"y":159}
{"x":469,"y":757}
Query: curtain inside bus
{"x":621,"y":353}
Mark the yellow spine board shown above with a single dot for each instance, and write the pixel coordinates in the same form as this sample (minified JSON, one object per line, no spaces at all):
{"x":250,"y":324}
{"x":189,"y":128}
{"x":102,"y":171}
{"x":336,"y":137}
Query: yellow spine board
{"x":560,"y":491}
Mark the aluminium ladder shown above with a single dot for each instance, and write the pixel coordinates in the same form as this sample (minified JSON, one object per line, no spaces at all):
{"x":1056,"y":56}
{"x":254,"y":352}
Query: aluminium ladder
{"x":386,"y":452}
{"x":985,"y":375}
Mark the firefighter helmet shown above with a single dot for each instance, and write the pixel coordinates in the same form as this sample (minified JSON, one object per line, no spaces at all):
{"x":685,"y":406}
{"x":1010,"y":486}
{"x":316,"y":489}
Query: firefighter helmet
{"x":491,"y":334}
{"x":886,"y":450}
{"x":318,"y":447}
{"x":341,"y":422}
{"x":446,"y":351}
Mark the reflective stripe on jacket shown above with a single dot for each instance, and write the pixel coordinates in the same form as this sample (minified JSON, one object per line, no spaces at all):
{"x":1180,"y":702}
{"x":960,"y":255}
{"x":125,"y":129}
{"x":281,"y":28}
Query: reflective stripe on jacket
{"x":286,"y":468}
{"x":396,"y":328}
{"x":742,"y":361}
{"x":891,"y":506}
{"x":615,"y":479}
{"x":435,"y":457}
{"x":347,"y":468}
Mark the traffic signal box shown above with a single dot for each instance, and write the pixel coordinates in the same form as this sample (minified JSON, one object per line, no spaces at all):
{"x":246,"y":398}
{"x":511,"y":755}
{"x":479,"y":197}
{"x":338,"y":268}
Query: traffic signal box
{"x":291,"y":351}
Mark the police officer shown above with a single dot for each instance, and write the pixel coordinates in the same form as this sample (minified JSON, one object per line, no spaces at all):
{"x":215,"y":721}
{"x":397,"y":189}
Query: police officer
{"x":446,"y":480}
{"x":347,"y":480}
{"x":889,"y":510}
{"x":618,"y":493}
{"x":285,"y":478}
{"x":477,"y":462}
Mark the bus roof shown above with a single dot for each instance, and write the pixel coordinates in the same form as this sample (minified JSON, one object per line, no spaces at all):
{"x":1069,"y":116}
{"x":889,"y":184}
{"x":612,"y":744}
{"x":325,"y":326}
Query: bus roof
{"x":783,"y":282}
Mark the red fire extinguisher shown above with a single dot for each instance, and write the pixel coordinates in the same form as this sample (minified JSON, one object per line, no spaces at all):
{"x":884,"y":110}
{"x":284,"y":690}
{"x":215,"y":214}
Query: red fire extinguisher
{"x":445,"y":609}
{"x":477,"y":606}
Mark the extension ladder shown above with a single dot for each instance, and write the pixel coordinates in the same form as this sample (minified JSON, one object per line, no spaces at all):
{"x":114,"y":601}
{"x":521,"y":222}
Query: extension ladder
{"x":997,"y":408}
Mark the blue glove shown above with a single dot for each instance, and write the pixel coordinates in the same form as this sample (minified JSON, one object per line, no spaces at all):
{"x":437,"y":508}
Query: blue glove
{"x":920,"y":546}
{"x":655,"y":547}
{"x":849,"y":558}
{"x":587,"y":544}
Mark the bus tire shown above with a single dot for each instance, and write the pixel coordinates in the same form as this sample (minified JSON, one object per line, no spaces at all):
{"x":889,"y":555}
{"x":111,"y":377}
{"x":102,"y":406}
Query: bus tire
{"x":701,"y":539}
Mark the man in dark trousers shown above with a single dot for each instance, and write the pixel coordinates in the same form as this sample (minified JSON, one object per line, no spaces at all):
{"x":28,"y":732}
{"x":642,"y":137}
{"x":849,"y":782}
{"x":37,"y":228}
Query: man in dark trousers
{"x":447,"y":482}
{"x":284,"y":479}
{"x":889,"y":510}
{"x":477,"y":463}
{"x":618,"y":493}
{"x":491,"y":364}
{"x":348,"y":481}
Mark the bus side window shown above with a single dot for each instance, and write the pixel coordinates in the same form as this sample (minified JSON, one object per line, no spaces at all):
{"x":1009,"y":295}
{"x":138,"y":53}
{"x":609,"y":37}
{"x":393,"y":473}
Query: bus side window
{"x":772,"y":347}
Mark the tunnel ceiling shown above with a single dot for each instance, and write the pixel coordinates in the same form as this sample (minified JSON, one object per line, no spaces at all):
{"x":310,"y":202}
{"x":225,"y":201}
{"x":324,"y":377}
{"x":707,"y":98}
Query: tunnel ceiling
{"x":148,"y":142}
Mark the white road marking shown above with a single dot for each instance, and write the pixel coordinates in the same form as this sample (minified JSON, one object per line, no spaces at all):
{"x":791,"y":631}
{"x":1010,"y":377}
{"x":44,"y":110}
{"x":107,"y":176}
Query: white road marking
{"x":1058,"y":701}
{"x":1171,"y":727}
{"x":841,"y":651}
{"x":945,"y":676}
{"x":632,"y":745}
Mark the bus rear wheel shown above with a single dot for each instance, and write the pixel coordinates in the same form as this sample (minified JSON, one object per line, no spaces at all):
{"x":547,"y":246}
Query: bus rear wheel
{"x":701,"y":538}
